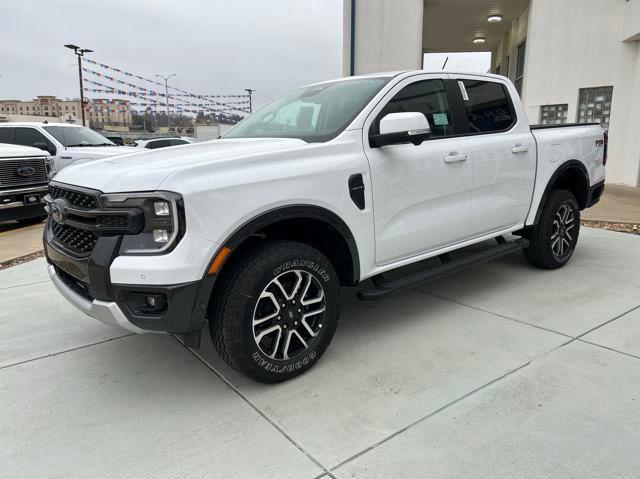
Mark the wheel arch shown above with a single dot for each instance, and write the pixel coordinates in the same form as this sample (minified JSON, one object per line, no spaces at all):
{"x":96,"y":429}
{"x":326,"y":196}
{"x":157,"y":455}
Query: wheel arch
{"x":572,"y":176}
{"x":309,"y":224}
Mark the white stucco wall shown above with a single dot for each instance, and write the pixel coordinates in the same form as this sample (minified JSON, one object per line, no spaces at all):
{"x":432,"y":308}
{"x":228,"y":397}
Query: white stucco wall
{"x":388,"y":35}
{"x":573,"y":44}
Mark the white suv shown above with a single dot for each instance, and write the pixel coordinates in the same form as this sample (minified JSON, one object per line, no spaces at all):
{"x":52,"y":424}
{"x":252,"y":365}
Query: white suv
{"x":329,"y":185}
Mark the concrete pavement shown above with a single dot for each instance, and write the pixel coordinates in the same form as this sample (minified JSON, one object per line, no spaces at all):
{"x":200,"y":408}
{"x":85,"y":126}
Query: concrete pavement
{"x":499,"y":371}
{"x":19,"y":241}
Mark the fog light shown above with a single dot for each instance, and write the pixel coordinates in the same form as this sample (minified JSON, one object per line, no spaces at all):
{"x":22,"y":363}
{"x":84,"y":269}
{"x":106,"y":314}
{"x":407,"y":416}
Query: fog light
{"x":160,"y":236}
{"x":161,"y":208}
{"x":151,"y":301}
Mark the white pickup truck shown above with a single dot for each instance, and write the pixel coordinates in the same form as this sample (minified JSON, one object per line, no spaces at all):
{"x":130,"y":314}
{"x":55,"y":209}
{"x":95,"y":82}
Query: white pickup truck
{"x":66,"y":143}
{"x":329,"y":185}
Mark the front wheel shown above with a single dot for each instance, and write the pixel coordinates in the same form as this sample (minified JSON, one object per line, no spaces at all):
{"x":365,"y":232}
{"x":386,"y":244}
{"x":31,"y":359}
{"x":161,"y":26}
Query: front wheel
{"x":553,"y":240}
{"x":275,"y":310}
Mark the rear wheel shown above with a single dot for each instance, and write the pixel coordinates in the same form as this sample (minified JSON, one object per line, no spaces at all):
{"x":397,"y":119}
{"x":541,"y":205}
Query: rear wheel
{"x":275,"y":310}
{"x":553,"y":240}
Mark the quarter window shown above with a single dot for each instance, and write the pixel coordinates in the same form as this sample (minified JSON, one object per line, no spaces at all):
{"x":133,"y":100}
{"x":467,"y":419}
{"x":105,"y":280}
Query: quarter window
{"x":487,"y":106}
{"x":427,"y":97}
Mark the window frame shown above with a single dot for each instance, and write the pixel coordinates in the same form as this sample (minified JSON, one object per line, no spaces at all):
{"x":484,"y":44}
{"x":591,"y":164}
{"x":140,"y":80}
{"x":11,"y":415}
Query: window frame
{"x":50,"y":144}
{"x":586,"y":89}
{"x":522,"y":45}
{"x":386,"y":101}
{"x":565,"y":117}
{"x":459,"y":104}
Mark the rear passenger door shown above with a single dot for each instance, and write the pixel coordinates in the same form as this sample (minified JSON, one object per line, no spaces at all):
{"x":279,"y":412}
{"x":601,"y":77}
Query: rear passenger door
{"x":502,"y":152}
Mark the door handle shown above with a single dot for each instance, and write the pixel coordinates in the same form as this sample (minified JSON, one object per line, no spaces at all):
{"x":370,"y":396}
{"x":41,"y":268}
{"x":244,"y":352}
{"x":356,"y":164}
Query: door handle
{"x":454,"y":157}
{"x":519,"y":148}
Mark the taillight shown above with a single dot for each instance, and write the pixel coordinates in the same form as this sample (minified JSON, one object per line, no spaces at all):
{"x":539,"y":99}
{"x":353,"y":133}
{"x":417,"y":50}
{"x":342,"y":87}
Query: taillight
{"x":606,"y":144}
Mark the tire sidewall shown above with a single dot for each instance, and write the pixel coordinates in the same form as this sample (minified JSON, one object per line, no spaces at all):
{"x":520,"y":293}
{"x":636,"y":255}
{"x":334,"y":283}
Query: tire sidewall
{"x":255,"y":362}
{"x":561,"y":198}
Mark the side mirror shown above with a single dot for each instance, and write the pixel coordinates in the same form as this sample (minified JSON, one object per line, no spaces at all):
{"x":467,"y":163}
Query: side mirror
{"x":45,"y":146}
{"x":395,"y":128}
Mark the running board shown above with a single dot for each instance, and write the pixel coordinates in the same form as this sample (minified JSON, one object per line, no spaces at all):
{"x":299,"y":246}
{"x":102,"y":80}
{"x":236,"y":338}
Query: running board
{"x":385,"y":288}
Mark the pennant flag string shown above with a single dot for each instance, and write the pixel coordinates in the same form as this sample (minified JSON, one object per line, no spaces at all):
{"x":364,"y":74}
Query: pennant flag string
{"x":148,"y":92}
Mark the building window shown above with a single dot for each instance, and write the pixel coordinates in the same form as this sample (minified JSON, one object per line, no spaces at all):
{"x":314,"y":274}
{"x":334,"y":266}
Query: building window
{"x":594,"y":105}
{"x":554,"y":114}
{"x":522,"y":49}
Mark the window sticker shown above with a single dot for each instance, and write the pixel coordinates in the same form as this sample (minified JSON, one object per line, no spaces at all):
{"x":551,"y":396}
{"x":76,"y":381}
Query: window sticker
{"x":463,"y":90}
{"x":440,"y":119}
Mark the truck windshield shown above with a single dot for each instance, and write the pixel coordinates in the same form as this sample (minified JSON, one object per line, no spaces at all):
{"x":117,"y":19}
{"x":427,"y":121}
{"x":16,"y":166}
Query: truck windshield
{"x":73,"y":136}
{"x":316,"y":113}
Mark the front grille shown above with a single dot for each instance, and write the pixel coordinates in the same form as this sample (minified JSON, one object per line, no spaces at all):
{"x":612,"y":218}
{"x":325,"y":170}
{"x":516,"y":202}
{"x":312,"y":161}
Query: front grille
{"x":113,"y":221}
{"x":74,"y":239}
{"x":74,"y":198}
{"x":34,"y":171}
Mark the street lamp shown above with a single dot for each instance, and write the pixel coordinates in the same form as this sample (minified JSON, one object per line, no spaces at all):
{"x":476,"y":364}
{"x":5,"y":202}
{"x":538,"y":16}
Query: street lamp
{"x":250,"y":92}
{"x":166,"y":93}
{"x":80,"y":53}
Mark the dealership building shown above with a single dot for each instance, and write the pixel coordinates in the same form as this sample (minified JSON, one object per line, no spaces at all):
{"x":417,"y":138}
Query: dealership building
{"x":573,"y":61}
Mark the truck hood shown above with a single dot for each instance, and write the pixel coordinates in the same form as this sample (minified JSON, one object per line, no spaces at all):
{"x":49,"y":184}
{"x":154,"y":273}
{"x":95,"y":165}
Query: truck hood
{"x":145,"y":170}
{"x":94,"y":152}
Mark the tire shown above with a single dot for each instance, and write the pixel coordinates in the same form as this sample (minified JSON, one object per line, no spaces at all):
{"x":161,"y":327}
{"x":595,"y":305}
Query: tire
{"x":32,"y":221}
{"x":250,"y":328}
{"x":553,"y":240}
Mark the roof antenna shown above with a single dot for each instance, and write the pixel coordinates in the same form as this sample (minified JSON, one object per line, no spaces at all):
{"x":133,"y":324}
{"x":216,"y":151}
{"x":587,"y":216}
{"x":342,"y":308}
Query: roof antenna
{"x":445,"y":62}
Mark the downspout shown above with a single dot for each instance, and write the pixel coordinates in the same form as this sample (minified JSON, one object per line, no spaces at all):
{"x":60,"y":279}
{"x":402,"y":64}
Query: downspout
{"x":352,"y":56}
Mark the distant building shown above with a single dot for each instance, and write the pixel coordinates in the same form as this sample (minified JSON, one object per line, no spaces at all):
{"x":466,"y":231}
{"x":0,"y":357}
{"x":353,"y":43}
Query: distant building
{"x":98,"y":112}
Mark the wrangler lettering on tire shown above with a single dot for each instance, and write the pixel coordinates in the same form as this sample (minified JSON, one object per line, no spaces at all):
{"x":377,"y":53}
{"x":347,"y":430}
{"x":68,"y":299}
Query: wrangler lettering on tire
{"x":275,"y":310}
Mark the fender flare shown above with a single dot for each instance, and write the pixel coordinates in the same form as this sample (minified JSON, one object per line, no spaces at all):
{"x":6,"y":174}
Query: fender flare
{"x":275,"y":215}
{"x":561,"y":169}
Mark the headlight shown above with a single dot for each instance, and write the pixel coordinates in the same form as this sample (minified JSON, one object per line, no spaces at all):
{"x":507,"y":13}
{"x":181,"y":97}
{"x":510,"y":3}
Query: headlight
{"x":163,"y":220}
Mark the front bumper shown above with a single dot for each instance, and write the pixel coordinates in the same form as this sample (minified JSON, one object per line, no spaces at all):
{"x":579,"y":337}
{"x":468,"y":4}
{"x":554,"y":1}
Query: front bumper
{"x":13,"y":206}
{"x":86,"y":283}
{"x":107,"y":312}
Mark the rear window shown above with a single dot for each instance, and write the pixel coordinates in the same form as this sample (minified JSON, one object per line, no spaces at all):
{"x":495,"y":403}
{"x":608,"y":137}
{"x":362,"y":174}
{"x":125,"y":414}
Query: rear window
{"x":487,"y":105}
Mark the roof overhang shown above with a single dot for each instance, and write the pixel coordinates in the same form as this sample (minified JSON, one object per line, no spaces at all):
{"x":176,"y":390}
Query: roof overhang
{"x":452,"y":25}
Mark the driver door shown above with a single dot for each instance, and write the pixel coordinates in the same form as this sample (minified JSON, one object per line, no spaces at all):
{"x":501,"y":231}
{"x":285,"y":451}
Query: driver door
{"x":421,"y":194}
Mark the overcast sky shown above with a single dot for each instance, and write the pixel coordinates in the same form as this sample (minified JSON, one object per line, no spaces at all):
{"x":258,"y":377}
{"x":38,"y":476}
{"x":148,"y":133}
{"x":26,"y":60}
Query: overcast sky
{"x":214,"y":46}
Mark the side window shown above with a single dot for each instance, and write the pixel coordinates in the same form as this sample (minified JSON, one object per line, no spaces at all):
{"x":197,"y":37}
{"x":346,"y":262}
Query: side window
{"x":29,"y":136}
{"x":4,"y":134}
{"x":177,"y":142}
{"x":427,"y":97}
{"x":487,"y":106}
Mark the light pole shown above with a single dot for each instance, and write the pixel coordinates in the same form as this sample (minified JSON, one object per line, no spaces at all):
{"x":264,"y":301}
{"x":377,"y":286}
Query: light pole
{"x":80,"y":53}
{"x":250,"y":92}
{"x":166,"y":95}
